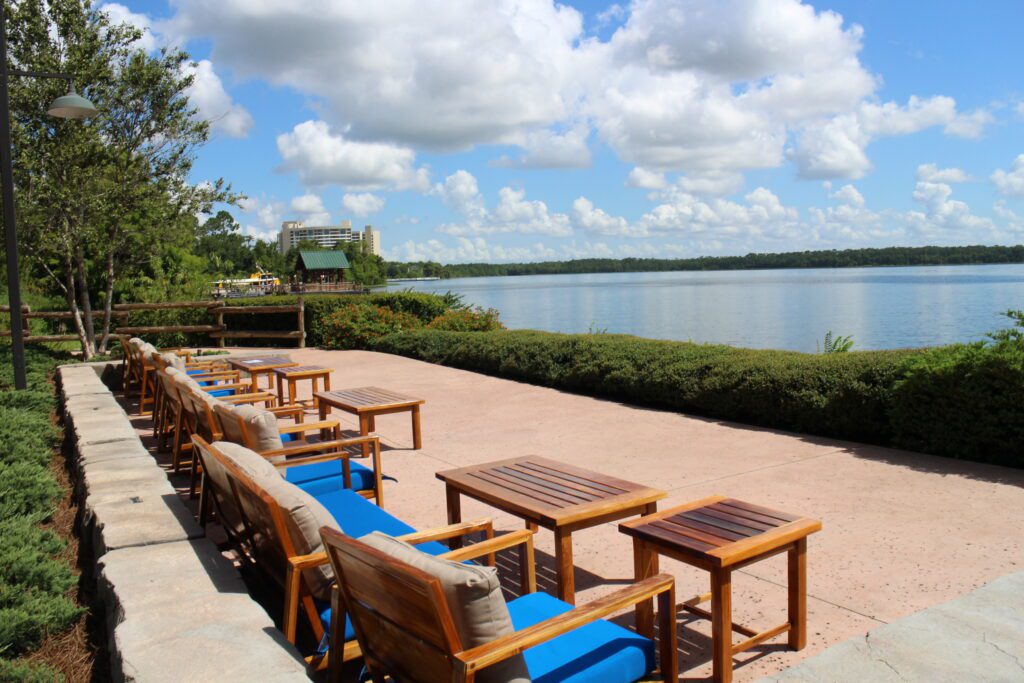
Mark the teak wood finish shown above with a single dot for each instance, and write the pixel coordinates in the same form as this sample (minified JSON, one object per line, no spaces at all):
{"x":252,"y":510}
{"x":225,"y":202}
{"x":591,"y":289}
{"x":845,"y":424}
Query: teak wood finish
{"x":720,"y":534}
{"x":292,"y":375}
{"x":264,"y":365}
{"x":405,"y":628}
{"x":257,"y":526}
{"x":553,"y":495}
{"x":367,"y":403}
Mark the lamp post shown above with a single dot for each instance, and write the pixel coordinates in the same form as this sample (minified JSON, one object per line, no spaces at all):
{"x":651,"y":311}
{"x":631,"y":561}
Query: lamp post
{"x":69,"y":106}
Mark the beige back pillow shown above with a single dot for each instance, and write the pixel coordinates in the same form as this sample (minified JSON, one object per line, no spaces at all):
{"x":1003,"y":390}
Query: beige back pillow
{"x":304,"y":515}
{"x":228,"y":418}
{"x":261,"y":428}
{"x":474,"y":598}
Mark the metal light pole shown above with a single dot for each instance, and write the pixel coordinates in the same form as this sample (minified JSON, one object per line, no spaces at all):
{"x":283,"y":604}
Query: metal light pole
{"x":70,"y":106}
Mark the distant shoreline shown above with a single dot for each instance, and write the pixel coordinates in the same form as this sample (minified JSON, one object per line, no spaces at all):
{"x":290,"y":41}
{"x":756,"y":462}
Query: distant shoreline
{"x":846,"y":258}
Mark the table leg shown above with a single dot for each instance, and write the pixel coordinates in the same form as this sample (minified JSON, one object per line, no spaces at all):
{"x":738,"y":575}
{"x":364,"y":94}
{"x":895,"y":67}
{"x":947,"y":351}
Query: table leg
{"x":798,"y":595}
{"x":454,"y":501}
{"x":254,"y":376}
{"x":365,"y":427}
{"x":669,"y":635}
{"x":645,"y":565}
{"x":721,"y":624}
{"x":417,"y":437}
{"x":327,"y":381}
{"x":291,"y":389}
{"x":564,"y":568}
{"x":280,"y":394}
{"x":316,"y":388}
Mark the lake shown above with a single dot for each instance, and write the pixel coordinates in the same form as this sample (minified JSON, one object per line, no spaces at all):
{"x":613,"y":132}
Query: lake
{"x":881,"y":308}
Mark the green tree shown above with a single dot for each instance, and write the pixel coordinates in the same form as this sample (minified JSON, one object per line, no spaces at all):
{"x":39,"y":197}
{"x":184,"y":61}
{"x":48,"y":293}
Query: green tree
{"x":227,"y":251}
{"x":105,"y":199}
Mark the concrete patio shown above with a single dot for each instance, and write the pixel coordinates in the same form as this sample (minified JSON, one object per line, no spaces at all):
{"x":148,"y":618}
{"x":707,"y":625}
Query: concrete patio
{"x":902,"y":531}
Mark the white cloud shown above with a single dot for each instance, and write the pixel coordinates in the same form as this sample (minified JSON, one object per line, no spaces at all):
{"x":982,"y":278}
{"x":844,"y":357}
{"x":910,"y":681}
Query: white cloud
{"x":467,"y":250}
{"x":933,"y":174}
{"x":419,"y":72}
{"x":267,"y":214}
{"x":312,"y":208}
{"x":644,"y":179}
{"x":689,"y":86}
{"x":848,"y":194}
{"x":214,"y":104}
{"x":362,"y":204}
{"x":513,"y":213}
{"x":714,"y":183}
{"x":836,"y":147}
{"x":322,"y":157}
{"x":119,"y":14}
{"x":597,"y":221}
{"x":1020,"y":109}
{"x":1010,"y":183}
{"x":943,"y":218}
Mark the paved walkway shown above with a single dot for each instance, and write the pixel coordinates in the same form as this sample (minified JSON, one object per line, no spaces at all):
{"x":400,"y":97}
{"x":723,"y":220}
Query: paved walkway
{"x":902,"y":531}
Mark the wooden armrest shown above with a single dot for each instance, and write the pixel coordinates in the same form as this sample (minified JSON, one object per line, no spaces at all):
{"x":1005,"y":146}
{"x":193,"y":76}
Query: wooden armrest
{"x":486,"y":547}
{"x":309,"y":427}
{"x":313,"y":447}
{"x":300,"y":562}
{"x":253,"y":397}
{"x":288,"y":411}
{"x":508,"y":646}
{"x":216,"y":374}
{"x":442,"y":533}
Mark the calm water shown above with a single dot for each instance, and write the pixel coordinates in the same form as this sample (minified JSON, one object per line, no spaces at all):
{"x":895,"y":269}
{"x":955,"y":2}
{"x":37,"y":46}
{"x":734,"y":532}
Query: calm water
{"x":784,"y":309}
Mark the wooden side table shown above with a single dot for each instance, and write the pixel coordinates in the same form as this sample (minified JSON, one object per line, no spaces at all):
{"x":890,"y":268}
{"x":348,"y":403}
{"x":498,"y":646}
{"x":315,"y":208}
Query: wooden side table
{"x":292,"y":375}
{"x":550,"y":494}
{"x":258,"y":366}
{"x":367,"y":403}
{"x":720,"y":534}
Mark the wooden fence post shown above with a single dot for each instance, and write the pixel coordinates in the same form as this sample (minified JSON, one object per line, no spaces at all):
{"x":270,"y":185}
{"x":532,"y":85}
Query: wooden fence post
{"x":302,"y":323}
{"x":218,"y":319}
{"x":26,"y":310}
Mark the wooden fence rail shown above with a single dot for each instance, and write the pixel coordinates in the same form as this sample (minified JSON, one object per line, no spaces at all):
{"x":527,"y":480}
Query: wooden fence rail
{"x":218,"y":329}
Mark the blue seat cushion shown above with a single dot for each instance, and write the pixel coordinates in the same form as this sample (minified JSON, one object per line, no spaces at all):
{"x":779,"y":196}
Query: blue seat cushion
{"x":325,"y":620}
{"x":321,"y":477}
{"x":599,"y":651}
{"x":195,"y":372}
{"x":357,"y":517}
{"x":222,"y":392}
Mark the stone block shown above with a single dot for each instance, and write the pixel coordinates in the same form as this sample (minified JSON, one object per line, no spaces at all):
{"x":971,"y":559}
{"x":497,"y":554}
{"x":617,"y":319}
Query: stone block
{"x":188,"y":617}
{"x":115,"y":450}
{"x":128,"y":519}
{"x":102,"y":428}
{"x":93,"y":402}
{"x":106,"y":480}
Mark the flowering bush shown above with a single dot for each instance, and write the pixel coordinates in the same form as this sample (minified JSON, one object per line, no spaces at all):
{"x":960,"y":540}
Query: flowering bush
{"x":355,"y":325}
{"x":467,"y":320}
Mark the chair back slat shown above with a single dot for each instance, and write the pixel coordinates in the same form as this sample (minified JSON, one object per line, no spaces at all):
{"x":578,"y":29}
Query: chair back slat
{"x":400,"y":614}
{"x":217,"y":485}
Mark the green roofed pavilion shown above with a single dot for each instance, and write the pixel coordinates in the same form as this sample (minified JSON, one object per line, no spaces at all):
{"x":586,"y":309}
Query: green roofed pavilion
{"x":322,"y":260}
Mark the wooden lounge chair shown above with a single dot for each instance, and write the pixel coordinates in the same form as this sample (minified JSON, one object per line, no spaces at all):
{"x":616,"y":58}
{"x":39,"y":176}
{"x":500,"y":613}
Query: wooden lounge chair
{"x":276,"y":526}
{"x":223,"y":382}
{"x":259,"y":430}
{"x":411,"y":626}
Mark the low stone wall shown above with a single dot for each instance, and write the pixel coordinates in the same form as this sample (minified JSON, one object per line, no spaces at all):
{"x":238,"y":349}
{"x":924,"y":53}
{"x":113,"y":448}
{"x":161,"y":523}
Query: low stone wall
{"x":176,"y":609}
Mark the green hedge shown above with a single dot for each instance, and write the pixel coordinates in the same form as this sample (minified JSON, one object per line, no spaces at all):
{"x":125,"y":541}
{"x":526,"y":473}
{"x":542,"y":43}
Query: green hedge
{"x":34,"y":582}
{"x":964,"y":401}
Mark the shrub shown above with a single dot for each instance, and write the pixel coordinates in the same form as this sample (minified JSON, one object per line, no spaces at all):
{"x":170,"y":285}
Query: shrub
{"x":467,"y":320}
{"x":34,"y":581}
{"x":964,"y":401}
{"x":355,"y":326}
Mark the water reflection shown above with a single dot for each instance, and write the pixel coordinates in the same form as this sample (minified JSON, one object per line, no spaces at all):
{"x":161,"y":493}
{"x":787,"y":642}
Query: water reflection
{"x":786,"y":309}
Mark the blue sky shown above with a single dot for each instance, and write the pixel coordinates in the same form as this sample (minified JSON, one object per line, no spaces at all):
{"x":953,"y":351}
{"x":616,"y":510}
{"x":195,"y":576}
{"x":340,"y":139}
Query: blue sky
{"x":524,"y":130}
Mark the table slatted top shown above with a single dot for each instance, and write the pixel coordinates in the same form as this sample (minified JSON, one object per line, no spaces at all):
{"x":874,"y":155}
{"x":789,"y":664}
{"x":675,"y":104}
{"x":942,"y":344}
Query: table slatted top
{"x":721,"y":529}
{"x":366,"y":399}
{"x":261,"y":363}
{"x":551,"y":491}
{"x":302,"y":370}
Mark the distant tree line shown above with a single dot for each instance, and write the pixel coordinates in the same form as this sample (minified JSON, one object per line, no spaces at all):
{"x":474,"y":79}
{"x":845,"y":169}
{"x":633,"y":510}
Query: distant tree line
{"x":832,"y":258}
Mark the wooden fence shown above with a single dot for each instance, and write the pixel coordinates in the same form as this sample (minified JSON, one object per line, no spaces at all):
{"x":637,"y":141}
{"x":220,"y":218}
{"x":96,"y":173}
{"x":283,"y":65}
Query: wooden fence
{"x":217,"y":329}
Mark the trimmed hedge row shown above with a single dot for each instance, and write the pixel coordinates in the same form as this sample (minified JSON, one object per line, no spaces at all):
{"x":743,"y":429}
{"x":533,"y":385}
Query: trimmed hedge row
{"x":964,"y":401}
{"x":34,"y":582}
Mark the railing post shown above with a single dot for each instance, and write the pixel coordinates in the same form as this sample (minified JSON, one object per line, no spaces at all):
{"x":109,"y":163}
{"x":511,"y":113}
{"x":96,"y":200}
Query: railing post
{"x":218,"y":319}
{"x":302,"y":323}
{"x":26,"y":311}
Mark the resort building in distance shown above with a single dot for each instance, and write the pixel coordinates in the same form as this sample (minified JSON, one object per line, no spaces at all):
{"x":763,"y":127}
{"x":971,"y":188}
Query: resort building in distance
{"x":294,"y":232}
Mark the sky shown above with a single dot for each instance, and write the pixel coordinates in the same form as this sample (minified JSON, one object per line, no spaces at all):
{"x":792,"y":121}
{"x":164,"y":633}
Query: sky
{"x":526,"y":130}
